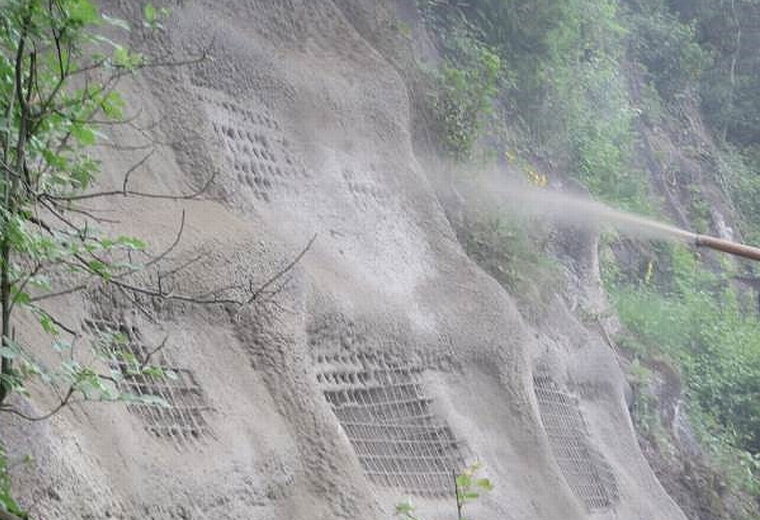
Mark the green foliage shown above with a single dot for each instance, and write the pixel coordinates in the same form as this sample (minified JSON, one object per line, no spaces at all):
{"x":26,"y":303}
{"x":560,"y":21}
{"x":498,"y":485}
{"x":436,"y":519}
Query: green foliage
{"x":707,"y":48}
{"x":153,"y":16}
{"x":59,"y":76}
{"x":667,"y":47}
{"x":566,"y":90}
{"x":469,"y":487}
{"x":742,"y":183}
{"x":645,"y":411}
{"x":588,"y":95}
{"x":468,"y":82}
{"x":405,"y":510}
{"x":569,"y":97}
{"x":6,"y":500}
{"x":49,"y":124}
{"x":698,"y":324}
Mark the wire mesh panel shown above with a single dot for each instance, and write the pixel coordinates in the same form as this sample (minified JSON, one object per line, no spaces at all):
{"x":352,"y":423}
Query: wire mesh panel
{"x":183,"y":417}
{"x":586,"y":472}
{"x":390,"y":424}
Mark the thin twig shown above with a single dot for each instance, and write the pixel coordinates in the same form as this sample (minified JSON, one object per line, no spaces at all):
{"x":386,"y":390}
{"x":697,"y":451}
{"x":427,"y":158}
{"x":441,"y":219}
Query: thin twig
{"x":153,"y":352}
{"x":60,"y":406}
{"x":57,"y":294}
{"x":135,"y":167}
{"x":112,"y":193}
{"x":171,"y":247}
{"x":255,"y":294}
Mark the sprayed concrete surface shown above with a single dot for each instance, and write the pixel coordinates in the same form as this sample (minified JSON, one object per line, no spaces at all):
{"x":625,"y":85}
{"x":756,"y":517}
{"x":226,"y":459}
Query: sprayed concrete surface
{"x":387,"y":358}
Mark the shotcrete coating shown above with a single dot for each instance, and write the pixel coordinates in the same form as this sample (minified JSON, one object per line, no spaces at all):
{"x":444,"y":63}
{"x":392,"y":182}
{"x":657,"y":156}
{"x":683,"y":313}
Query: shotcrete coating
{"x":529,"y":200}
{"x":557,"y":205}
{"x":305,"y":118}
{"x":582,"y":211}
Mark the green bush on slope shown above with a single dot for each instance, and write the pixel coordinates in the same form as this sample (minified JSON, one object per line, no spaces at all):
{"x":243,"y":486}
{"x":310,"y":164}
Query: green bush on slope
{"x":699,"y":325}
{"x":468,"y":84}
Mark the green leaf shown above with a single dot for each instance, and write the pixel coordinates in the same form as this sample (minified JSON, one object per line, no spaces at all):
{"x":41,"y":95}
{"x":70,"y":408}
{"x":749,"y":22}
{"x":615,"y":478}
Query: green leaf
{"x":41,"y":281}
{"x":113,"y":106}
{"x":102,"y":39}
{"x":131,"y":243}
{"x":9,"y":505}
{"x":55,"y":160}
{"x":100,"y":268}
{"x":150,"y":13}
{"x":46,"y":322}
{"x":121,"y":56}
{"x":153,"y":371}
{"x":22,"y":299}
{"x":83,"y":12}
{"x":9,"y":352}
{"x":83,"y":134}
{"x":485,"y":484}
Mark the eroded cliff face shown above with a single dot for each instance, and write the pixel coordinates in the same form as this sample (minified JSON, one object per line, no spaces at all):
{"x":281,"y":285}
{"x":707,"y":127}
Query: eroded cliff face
{"x":386,"y":360}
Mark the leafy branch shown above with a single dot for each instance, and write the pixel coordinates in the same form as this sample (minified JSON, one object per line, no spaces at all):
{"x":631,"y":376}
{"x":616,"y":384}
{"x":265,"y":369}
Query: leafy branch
{"x":59,"y":87}
{"x":467,"y":488}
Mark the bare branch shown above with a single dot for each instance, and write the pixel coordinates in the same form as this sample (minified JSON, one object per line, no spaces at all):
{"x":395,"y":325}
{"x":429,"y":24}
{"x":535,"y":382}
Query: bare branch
{"x":153,"y":352}
{"x":171,"y":247}
{"x":140,"y":307}
{"x":112,"y":193}
{"x":133,"y":168}
{"x":60,"y":406}
{"x":91,"y":215}
{"x":167,"y":61}
{"x":279,"y":274}
{"x":58,"y":322}
{"x":64,"y":292}
{"x":160,"y":294}
{"x":183,"y":266}
{"x":21,"y":287}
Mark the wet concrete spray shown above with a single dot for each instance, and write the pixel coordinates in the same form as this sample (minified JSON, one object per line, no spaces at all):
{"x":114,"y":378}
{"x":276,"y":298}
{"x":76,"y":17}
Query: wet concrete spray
{"x":582,"y":211}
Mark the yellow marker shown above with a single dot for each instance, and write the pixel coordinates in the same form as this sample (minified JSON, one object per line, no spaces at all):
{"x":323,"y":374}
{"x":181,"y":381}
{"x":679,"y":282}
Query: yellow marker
{"x":650,"y":272}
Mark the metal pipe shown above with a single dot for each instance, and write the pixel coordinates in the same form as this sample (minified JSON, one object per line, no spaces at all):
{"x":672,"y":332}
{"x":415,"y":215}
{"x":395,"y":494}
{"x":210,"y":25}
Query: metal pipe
{"x":727,"y":246}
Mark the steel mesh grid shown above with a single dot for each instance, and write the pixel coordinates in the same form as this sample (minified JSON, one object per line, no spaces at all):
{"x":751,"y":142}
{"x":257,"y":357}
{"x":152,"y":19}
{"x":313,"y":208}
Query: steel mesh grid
{"x":589,"y":476}
{"x":389,"y":422}
{"x":183,"y":419}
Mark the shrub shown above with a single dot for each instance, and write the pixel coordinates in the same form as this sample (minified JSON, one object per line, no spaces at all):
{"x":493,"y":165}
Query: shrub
{"x":468,"y":84}
{"x":699,"y":325}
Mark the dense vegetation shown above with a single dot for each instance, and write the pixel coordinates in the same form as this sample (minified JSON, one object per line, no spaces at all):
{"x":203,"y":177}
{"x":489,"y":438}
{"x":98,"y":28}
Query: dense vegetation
{"x":580,"y":81}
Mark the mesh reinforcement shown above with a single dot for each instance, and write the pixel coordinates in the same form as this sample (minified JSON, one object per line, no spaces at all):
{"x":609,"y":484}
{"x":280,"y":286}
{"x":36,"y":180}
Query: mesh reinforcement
{"x":584,"y":469}
{"x":183,"y":419}
{"x":389,"y":421}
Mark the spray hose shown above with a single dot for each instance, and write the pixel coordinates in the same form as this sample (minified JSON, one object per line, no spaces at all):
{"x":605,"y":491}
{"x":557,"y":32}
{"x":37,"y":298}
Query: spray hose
{"x":733,"y":248}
